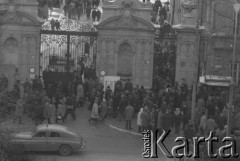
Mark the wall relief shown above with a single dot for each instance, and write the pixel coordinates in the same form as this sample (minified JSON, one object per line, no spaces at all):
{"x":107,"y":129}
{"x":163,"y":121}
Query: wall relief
{"x":188,"y":11}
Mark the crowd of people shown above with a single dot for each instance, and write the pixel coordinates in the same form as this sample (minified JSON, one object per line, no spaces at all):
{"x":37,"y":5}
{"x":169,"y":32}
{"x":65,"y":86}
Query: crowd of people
{"x":73,"y":9}
{"x":160,"y":12}
{"x":163,"y":109}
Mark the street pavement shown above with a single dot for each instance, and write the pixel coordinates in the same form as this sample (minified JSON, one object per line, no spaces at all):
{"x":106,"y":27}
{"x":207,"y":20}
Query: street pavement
{"x":107,"y":141}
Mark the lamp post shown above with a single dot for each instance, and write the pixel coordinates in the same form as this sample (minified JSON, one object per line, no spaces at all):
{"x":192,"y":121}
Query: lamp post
{"x":231,"y":93}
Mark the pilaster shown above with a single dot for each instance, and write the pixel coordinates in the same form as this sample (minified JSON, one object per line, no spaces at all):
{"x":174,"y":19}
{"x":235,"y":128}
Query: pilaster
{"x":187,"y":56}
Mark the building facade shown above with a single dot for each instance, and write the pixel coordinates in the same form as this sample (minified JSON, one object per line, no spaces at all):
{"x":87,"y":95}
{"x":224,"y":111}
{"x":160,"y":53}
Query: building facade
{"x":126,"y":41}
{"x":19,"y":39}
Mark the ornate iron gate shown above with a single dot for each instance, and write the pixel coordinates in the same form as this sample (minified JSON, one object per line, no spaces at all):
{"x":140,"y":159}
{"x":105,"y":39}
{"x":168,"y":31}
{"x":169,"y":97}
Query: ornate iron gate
{"x":164,"y":65}
{"x":65,"y":50}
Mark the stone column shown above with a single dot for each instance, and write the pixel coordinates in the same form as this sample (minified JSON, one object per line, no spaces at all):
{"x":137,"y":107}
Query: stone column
{"x":186,"y":63}
{"x":142,"y":62}
{"x":133,"y":56}
{"x":111,"y":57}
{"x":103,"y":56}
{"x":100,"y":50}
{"x":24,"y":57}
{"x":107,"y":57}
{"x":37,"y":54}
{"x":32,"y":50}
{"x":138,"y":62}
{"x":151,"y":57}
{"x":147,"y":64}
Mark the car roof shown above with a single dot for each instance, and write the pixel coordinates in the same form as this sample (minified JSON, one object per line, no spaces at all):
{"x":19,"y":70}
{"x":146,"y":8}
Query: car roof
{"x":52,"y":127}
{"x":57,"y":128}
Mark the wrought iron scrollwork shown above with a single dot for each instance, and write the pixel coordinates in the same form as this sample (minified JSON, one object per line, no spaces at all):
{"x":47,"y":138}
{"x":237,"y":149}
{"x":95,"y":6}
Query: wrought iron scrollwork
{"x":71,"y":25}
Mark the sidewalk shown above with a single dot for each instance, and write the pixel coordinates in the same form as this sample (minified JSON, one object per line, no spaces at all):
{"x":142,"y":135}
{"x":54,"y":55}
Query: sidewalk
{"x":121,"y":125}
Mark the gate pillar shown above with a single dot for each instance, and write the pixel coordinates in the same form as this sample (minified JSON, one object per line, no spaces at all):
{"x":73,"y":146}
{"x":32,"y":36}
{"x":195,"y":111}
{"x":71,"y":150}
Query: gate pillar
{"x":187,"y":59}
{"x":188,"y":38}
{"x":125,"y":43}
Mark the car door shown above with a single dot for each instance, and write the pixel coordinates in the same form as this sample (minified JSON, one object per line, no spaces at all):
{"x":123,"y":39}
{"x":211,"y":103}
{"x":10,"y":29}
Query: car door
{"x":54,"y":140}
{"x":39,"y":141}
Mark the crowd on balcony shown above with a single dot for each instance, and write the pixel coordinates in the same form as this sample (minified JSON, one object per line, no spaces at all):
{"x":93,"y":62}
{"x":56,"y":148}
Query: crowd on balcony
{"x":160,"y":12}
{"x":73,"y":9}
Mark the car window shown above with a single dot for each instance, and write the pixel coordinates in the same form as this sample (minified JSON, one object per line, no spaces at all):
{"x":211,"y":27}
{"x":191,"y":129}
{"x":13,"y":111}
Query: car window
{"x":40,"y":134}
{"x":54,"y":134}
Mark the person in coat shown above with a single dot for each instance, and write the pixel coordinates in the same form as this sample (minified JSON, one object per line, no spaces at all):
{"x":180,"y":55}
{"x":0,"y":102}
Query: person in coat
{"x":145,"y":118}
{"x":80,"y":94}
{"x":104,"y":109}
{"x":19,"y":111}
{"x":61,"y":110}
{"x":177,"y":120}
{"x":94,"y":114}
{"x":166,"y":120}
{"x":129,"y":111}
{"x":139,"y":120}
{"x":53,"y":110}
{"x":210,"y":125}
{"x":47,"y":112}
{"x":203,"y":121}
{"x":189,"y":131}
{"x":153,"y":120}
{"x":98,"y":14}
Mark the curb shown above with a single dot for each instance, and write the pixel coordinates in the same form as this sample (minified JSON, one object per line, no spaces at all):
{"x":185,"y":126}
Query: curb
{"x":125,"y":131}
{"x":7,"y":122}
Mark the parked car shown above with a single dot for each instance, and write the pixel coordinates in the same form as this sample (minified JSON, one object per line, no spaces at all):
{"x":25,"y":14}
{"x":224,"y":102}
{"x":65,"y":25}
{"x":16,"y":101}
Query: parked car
{"x":48,"y":138}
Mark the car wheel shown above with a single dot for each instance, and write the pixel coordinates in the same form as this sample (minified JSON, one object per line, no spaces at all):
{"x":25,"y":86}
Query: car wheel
{"x":65,"y":150}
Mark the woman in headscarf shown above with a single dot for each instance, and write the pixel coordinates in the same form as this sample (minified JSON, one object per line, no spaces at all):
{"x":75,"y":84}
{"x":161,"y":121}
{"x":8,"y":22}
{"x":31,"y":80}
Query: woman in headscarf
{"x":139,"y":120}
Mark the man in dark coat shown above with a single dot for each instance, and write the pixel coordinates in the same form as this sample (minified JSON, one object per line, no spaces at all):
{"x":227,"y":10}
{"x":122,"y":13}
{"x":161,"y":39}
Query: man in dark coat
{"x":129,"y":111}
{"x":145,"y":118}
{"x":98,"y":15}
{"x":189,"y":131}
{"x":52,"y":22}
{"x":88,"y":12}
{"x":71,"y":107}
{"x":57,"y":24}
{"x":94,"y":15}
{"x":128,"y":86}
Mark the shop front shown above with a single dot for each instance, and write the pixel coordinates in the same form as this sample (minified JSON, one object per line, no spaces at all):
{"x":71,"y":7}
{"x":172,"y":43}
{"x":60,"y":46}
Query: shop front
{"x":216,"y":85}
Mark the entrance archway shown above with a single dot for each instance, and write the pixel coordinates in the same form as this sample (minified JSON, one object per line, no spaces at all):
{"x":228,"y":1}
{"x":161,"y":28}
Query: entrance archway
{"x":125,"y":60}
